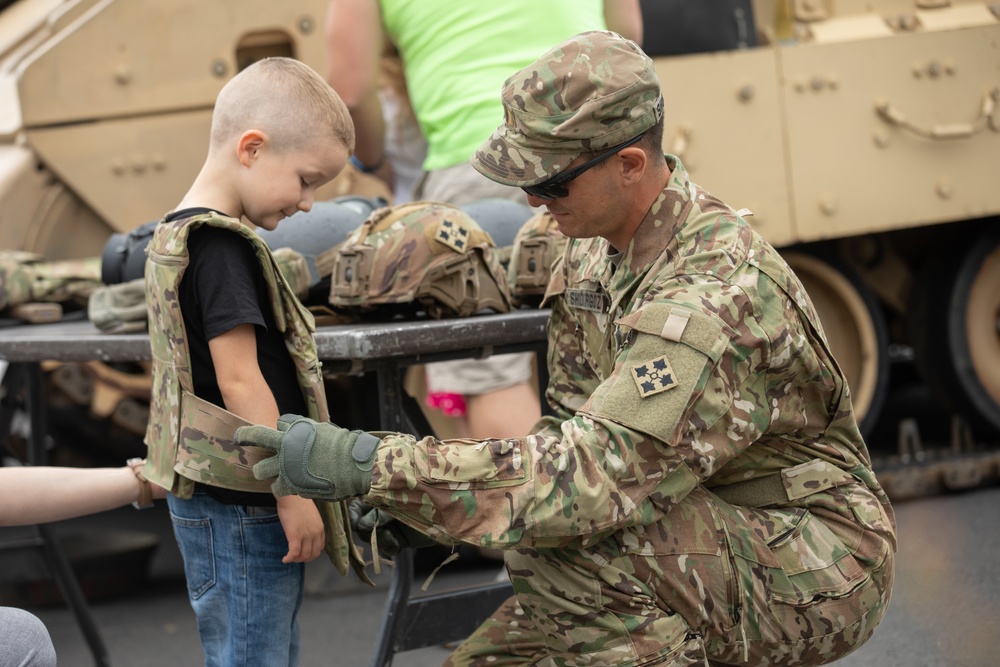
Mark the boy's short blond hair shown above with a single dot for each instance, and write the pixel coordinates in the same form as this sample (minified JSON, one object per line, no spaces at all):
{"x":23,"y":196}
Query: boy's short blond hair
{"x":287,"y":100}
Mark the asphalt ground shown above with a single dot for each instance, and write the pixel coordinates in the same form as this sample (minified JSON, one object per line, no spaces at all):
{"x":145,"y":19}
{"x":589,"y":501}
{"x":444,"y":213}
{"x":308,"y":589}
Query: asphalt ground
{"x":945,"y":609}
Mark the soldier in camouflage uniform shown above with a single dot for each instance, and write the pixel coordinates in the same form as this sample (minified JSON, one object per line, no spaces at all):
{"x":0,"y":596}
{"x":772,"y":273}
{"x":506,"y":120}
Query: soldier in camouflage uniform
{"x":703,"y":494}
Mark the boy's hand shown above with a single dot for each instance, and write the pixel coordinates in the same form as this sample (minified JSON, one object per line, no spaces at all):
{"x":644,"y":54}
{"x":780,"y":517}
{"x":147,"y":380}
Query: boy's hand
{"x":312,"y":459}
{"x":303,"y":528}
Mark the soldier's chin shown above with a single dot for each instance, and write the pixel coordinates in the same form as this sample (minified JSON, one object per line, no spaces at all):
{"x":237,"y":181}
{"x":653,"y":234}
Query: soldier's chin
{"x":562,"y":224}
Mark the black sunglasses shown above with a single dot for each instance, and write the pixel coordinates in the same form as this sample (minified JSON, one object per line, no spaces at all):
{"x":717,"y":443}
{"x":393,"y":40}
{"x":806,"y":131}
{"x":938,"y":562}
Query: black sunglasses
{"x":555,"y":187}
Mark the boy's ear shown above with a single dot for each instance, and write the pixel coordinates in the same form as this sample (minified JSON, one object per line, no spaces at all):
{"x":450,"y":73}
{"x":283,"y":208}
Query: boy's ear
{"x":249,"y":145}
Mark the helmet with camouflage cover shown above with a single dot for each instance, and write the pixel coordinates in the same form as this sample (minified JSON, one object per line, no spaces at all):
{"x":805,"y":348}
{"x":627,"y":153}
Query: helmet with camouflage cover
{"x":536,"y":246}
{"x":500,"y":218}
{"x":423,"y":255}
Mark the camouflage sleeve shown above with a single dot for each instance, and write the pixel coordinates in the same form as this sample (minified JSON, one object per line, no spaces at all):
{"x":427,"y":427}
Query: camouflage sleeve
{"x":623,"y":459}
{"x":552,"y":491}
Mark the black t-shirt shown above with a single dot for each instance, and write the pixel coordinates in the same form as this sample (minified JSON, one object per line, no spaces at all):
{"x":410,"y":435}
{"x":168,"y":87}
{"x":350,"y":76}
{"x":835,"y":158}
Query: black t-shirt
{"x":222,"y":288}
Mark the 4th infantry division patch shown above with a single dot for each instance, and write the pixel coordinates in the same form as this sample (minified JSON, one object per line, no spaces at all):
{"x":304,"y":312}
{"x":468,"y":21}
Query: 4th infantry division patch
{"x":654,"y":376}
{"x":453,"y":235}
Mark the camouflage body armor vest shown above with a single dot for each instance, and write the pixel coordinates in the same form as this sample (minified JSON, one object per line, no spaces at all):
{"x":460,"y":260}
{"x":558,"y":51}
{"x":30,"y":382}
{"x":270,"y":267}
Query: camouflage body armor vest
{"x":191,"y":440}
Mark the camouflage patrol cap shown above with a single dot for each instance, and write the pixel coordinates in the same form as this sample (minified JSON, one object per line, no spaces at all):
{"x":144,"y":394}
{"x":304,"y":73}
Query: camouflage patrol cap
{"x":423,"y":255}
{"x":594,"y":91}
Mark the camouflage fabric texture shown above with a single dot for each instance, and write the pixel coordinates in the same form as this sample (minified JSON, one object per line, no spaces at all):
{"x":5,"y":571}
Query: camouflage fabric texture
{"x":689,"y":368}
{"x":537,"y":245}
{"x":294,"y":270}
{"x":419,"y":255}
{"x":121,"y":308}
{"x":190,"y":440}
{"x":501,"y":219}
{"x":27,"y":277}
{"x":589,"y":93}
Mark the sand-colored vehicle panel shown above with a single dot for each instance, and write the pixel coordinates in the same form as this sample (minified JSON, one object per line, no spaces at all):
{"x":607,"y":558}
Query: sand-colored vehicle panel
{"x":855,"y":168}
{"x":725,"y":123}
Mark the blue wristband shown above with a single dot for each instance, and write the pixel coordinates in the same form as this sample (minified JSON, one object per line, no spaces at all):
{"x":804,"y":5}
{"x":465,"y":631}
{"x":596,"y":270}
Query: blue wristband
{"x":362,"y":167}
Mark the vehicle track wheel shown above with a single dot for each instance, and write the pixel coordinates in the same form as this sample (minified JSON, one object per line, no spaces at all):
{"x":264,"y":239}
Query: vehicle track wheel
{"x":854,"y":325}
{"x":954,"y":325}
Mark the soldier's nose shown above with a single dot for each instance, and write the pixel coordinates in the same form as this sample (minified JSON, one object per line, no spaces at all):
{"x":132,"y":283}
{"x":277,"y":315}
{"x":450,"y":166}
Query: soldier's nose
{"x":535,"y":202}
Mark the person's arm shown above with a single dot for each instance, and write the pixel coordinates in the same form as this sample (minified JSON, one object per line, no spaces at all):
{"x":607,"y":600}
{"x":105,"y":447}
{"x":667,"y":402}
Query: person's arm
{"x":625,"y":18}
{"x":246,"y":393}
{"x":42,"y":494}
{"x":617,"y":461}
{"x":355,"y":42}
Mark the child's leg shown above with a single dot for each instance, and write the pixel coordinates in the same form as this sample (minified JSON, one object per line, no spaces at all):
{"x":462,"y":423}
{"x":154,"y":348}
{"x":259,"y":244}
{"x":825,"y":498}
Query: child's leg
{"x":245,"y":599}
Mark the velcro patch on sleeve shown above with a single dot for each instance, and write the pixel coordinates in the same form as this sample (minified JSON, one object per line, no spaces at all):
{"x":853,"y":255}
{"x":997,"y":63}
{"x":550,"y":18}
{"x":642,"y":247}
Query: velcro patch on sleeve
{"x":673,"y":328}
{"x":654,"y":376}
{"x":680,"y":323}
{"x":636,"y":395}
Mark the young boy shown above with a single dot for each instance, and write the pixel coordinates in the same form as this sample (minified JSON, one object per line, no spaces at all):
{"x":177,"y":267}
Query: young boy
{"x":227,"y":333}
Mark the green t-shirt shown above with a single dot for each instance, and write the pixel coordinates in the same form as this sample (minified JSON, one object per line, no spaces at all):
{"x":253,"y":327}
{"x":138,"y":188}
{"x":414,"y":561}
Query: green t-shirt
{"x":458,"y":53}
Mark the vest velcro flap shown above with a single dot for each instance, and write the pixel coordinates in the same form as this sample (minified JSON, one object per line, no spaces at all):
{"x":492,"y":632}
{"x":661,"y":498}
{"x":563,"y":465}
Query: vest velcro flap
{"x":207,"y":453}
{"x":680,"y":325}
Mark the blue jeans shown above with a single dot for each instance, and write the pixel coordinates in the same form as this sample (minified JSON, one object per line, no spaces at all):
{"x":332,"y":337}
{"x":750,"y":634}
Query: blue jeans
{"x":245,"y":599}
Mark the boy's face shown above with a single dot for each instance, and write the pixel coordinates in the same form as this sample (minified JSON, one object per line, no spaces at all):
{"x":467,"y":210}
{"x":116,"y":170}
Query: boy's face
{"x":282,"y":182}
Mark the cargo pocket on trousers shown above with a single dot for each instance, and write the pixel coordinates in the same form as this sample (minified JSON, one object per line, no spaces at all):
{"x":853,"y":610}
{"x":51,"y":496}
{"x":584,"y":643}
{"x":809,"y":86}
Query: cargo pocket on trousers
{"x":194,"y":538}
{"x":816,"y":565}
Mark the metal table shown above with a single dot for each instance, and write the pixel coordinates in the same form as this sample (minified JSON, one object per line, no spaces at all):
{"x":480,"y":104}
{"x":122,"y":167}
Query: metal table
{"x":386,"y":349}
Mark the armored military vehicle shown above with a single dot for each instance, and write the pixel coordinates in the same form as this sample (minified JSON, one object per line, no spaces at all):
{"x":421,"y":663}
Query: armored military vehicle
{"x":865,"y":138}
{"x":104,"y":119}
{"x":106,"y":106}
{"x":863,"y":135}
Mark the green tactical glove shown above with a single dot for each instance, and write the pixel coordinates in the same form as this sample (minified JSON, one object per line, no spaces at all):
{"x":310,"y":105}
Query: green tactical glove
{"x":313,"y":460}
{"x":393,"y":535}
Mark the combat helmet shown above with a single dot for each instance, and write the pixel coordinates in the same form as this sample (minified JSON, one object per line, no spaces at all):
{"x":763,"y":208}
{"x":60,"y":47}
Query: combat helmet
{"x":427,"y":256}
{"x":501,"y":219}
{"x":536,"y":246}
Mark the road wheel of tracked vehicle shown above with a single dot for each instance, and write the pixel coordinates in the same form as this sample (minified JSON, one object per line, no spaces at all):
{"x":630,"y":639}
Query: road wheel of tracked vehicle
{"x":954,"y":325}
{"x":854,"y":326}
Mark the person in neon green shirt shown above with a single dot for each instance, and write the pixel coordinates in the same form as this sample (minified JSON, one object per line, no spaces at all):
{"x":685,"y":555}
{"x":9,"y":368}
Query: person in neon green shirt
{"x":455,"y":57}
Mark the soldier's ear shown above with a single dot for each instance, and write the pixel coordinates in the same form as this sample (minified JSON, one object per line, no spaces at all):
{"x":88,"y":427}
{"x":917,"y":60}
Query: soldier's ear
{"x":248,"y":146}
{"x":633,"y":162}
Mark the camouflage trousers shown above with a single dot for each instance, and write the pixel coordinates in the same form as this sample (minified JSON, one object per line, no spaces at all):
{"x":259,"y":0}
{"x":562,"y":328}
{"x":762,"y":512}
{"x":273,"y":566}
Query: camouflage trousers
{"x":711,"y":584}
